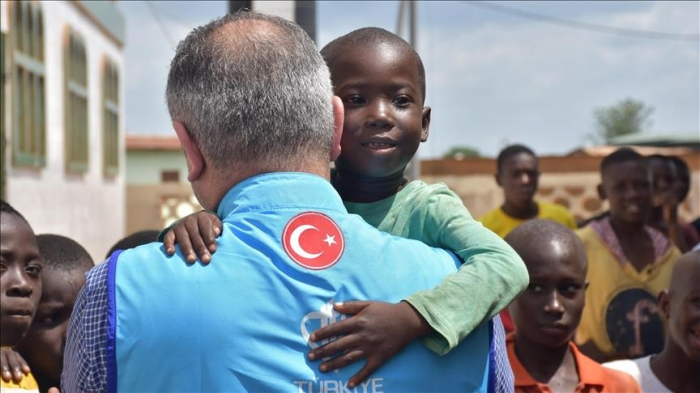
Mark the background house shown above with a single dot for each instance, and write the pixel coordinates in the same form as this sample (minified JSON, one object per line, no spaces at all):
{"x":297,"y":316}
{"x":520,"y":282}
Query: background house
{"x":62,"y":118}
{"x":157,"y":191}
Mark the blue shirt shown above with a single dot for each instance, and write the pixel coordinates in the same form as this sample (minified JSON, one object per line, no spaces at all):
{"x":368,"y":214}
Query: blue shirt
{"x":254,"y":249}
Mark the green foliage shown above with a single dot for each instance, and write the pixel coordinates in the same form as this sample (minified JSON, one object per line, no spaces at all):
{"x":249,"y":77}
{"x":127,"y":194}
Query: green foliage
{"x":462,"y":152}
{"x":628,"y":116}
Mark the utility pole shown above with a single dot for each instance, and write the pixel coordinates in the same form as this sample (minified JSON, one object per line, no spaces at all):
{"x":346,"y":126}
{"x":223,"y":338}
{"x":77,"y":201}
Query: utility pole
{"x":413,"y":169}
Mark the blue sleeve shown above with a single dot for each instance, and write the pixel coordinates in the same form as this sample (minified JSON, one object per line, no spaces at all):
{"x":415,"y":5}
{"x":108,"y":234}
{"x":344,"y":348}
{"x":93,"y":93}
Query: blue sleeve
{"x":85,"y":357}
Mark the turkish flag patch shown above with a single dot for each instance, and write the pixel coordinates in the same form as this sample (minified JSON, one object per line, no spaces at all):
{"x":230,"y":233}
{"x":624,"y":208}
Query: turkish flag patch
{"x":313,"y":240}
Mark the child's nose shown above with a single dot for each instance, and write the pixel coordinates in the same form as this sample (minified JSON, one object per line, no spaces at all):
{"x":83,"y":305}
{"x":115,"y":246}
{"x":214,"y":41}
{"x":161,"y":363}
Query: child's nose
{"x":19,"y":285}
{"x":380,"y":115}
{"x":554,"y":304}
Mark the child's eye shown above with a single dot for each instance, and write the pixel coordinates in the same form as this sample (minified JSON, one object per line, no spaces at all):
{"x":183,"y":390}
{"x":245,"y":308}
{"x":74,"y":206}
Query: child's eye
{"x":33,"y":270}
{"x":402,"y":100}
{"x":570,"y":289}
{"x":354,"y":100}
{"x":535,"y":288}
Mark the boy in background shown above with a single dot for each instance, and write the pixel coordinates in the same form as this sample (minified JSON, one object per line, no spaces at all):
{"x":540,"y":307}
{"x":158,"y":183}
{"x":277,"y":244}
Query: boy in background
{"x":518,"y":174}
{"x":66,"y":263}
{"x":675,"y":369}
{"x":629,"y":263}
{"x":546,"y":315}
{"x":666,"y":200}
{"x":381,"y":80}
{"x":20,"y":286}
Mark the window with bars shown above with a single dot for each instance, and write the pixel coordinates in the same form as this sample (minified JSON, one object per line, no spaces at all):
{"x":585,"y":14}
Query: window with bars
{"x":76,"y":103}
{"x":28,"y":84}
{"x":110,"y":118}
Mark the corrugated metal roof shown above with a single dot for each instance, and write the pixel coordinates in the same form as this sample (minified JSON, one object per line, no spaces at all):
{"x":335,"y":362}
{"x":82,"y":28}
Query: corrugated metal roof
{"x":687,"y":140}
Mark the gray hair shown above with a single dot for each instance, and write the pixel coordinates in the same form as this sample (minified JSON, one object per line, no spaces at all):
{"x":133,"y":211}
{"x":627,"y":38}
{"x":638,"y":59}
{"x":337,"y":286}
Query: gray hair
{"x":252,"y":88}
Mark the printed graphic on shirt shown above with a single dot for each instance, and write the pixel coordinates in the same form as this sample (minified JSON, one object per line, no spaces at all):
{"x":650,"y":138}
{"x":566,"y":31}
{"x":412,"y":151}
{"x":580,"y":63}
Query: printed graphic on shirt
{"x":633,"y":323}
{"x":317,"y":319}
{"x":313,"y":240}
{"x":313,"y":321}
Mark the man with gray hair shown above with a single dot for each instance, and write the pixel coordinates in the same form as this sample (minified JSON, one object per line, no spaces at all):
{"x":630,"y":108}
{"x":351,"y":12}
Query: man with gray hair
{"x":251,"y":102}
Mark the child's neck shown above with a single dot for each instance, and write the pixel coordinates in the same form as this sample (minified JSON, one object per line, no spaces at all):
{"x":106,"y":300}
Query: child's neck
{"x":545,"y":364}
{"x":361,"y":189}
{"x":635,"y":242}
{"x":520,"y":212}
{"x":675,"y":370}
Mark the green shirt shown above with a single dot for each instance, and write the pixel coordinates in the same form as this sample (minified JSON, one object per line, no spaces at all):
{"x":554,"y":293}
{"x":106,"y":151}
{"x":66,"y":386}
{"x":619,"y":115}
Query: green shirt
{"x":490,"y":278}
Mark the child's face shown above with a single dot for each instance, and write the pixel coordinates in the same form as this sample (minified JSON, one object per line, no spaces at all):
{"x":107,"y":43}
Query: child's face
{"x":662,"y":173}
{"x":682,"y":306}
{"x":549,"y":311}
{"x":43,"y":346}
{"x":627,"y":186}
{"x":385,"y":120}
{"x":519,"y":176}
{"x":20,"y":280}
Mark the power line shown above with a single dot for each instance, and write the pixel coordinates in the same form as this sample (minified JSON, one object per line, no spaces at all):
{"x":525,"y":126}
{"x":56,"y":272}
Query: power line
{"x":160,"y":23}
{"x":584,"y":25}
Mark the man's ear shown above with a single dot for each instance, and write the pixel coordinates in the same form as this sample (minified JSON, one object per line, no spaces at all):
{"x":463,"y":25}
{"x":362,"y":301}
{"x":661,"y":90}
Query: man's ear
{"x":497,"y":176}
{"x":193,"y":156}
{"x":601,"y":192}
{"x":338,"y":119}
{"x":425,"y":124}
{"x":664,"y":300}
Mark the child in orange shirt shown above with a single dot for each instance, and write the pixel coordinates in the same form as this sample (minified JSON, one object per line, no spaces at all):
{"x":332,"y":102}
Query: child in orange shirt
{"x":541,"y":353}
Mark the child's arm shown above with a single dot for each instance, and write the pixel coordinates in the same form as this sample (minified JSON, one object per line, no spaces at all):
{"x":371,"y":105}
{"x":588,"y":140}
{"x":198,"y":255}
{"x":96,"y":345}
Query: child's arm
{"x":196,"y":234}
{"x":13,"y":365}
{"x":490,"y":278}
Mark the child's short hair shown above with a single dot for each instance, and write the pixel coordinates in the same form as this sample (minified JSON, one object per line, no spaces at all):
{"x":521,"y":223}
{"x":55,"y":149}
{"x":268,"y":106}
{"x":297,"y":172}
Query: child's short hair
{"x":682,"y":165}
{"x":7,"y":208}
{"x":620,"y":155}
{"x":134,"y":240}
{"x":62,"y":253}
{"x":659,"y":157}
{"x":373,"y":36}
{"x":510,"y":151}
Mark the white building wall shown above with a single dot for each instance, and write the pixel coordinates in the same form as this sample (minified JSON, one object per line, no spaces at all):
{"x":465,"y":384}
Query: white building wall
{"x":88,"y":208}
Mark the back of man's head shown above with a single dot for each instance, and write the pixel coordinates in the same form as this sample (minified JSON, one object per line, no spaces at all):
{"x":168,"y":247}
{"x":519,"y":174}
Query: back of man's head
{"x":252,"y":88}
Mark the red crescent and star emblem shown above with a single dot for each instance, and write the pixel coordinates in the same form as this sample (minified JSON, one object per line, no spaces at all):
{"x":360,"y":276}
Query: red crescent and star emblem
{"x":313,"y":240}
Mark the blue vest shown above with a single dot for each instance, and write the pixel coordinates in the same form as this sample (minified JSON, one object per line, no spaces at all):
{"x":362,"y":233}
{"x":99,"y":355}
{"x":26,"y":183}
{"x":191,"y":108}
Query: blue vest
{"x":242,"y":322}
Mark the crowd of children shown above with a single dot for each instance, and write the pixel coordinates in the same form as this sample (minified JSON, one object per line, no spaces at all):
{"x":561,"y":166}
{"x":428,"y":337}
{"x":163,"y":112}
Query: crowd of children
{"x":613,"y":290}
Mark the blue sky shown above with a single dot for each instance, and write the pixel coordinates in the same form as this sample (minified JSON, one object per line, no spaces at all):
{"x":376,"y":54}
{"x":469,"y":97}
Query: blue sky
{"x":493,"y":78}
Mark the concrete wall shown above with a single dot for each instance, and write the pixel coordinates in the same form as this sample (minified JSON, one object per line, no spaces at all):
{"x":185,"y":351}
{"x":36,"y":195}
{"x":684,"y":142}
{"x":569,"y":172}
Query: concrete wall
{"x":89,"y":208}
{"x":569,"y":181}
{"x":156,"y":206}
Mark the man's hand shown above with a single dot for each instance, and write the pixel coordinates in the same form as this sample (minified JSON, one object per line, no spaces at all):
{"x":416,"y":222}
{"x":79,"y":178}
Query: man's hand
{"x":376,"y":332}
{"x":195,"y":233}
{"x":14,"y":368}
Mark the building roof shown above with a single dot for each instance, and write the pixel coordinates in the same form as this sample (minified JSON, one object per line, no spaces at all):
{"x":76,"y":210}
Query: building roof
{"x":691,"y":140}
{"x":152,"y":143}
